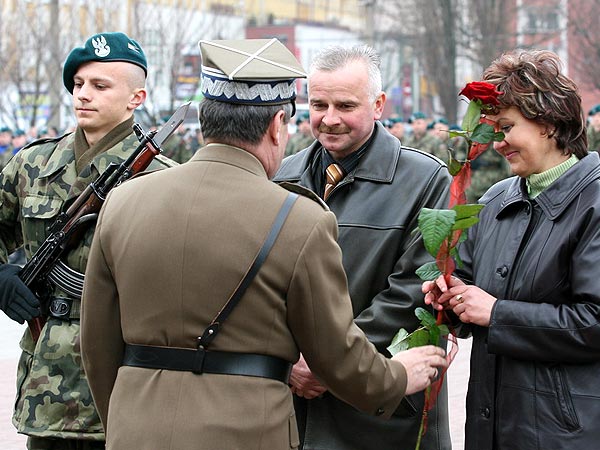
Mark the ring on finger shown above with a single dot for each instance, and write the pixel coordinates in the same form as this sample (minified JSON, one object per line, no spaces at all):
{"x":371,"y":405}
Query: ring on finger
{"x":459,"y":298}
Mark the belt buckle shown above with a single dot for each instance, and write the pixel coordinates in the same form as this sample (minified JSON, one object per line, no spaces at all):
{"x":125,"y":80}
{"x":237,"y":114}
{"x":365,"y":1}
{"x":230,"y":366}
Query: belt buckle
{"x":60,"y":308}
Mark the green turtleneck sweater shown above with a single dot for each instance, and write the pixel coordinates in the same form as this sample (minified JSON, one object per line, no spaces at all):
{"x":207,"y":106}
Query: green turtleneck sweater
{"x":537,"y":182}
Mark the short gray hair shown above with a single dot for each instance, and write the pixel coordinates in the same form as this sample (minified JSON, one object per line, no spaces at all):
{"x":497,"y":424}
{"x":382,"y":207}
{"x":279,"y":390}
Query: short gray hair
{"x":335,"y":57}
{"x":236,"y":124}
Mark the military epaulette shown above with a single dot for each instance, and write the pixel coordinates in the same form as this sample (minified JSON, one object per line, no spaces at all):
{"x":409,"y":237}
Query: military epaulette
{"x":305,"y":192}
{"x":167,"y":162}
{"x":46,"y":140}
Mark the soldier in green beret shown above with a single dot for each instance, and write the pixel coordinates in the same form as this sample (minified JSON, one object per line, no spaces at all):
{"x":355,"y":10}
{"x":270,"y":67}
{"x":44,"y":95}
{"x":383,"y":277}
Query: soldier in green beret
{"x":106,"y":77}
{"x":177,"y":148}
{"x":593,"y":129}
{"x":303,"y":136}
{"x":422,"y":140}
{"x":5,"y":145}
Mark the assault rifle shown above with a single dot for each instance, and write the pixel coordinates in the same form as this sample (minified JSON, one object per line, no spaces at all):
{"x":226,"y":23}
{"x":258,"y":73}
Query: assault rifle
{"x":45,"y":265}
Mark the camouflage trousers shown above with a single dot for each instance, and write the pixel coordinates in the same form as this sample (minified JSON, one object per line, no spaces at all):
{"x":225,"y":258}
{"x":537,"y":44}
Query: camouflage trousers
{"x":36,"y":443}
{"x":53,"y":398}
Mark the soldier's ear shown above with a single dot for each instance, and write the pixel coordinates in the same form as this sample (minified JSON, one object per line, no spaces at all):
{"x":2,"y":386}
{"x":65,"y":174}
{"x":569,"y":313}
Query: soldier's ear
{"x":276,"y":125}
{"x":138,"y":97}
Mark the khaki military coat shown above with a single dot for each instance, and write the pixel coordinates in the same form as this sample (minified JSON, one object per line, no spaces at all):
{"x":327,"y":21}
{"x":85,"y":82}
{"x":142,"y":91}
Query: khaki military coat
{"x":169,"y":250}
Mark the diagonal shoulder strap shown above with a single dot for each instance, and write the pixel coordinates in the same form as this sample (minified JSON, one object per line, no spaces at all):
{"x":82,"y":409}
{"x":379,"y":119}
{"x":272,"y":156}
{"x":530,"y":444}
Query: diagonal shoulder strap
{"x":214,"y":327}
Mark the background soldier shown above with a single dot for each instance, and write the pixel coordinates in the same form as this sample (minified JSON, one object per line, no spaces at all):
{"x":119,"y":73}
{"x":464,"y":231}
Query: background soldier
{"x":210,"y":218}
{"x":19,"y":140}
{"x":177,"y":147}
{"x":489,"y":168}
{"x":5,"y":145}
{"x":106,"y":78}
{"x":303,"y":136}
{"x":593,"y":129}
{"x":422,"y":140}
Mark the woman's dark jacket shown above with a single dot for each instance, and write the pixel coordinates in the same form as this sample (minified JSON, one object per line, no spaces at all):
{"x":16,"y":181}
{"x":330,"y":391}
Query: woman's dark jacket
{"x":535,"y":372}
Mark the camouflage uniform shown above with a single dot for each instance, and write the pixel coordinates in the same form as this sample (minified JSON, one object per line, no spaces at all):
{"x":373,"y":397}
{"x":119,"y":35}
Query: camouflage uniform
{"x":593,"y":139}
{"x":459,"y":147}
{"x":177,"y":149}
{"x":489,"y":168}
{"x":429,"y":144}
{"x":53,"y":397}
{"x":5,"y":156}
{"x":298,"y":142}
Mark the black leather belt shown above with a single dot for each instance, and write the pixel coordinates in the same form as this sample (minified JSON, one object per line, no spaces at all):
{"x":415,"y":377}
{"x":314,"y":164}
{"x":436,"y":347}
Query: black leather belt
{"x":204,"y":361}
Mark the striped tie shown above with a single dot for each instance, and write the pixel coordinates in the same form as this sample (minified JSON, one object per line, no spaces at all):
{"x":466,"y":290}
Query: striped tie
{"x":334,"y":174}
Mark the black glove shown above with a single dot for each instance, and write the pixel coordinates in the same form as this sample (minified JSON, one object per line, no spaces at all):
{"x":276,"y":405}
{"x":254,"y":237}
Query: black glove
{"x":16,"y":300}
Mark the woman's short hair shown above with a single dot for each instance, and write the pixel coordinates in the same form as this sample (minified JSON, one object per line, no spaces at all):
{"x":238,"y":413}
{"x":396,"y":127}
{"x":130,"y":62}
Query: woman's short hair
{"x":532,"y":81}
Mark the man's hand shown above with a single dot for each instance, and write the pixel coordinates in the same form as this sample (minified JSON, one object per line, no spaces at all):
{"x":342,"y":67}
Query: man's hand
{"x":16,"y":300}
{"x":302,"y":381}
{"x":421,"y":364}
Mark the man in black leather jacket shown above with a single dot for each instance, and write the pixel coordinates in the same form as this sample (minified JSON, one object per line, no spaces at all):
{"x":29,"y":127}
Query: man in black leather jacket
{"x":376,"y":203}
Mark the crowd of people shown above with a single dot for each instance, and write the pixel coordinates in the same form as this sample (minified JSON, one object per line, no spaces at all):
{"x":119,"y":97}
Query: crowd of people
{"x":258,"y":311}
{"x":179,"y":147}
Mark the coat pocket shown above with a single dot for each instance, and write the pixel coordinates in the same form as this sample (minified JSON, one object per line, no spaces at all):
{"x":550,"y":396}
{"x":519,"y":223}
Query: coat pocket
{"x":568,"y":414}
{"x":38,"y":213}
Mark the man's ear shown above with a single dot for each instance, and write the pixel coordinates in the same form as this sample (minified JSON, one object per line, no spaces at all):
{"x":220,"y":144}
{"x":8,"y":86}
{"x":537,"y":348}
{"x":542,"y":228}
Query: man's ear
{"x":276,"y":125}
{"x":138,"y":97}
{"x":379,"y":105}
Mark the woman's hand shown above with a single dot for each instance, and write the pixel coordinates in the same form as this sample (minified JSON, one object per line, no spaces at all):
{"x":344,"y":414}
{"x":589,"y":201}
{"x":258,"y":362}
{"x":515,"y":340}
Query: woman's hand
{"x":434,"y":292}
{"x":470,"y":303}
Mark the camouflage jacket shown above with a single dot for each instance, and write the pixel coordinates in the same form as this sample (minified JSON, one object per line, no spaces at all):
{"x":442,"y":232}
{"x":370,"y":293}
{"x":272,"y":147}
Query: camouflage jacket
{"x":489,"y":168}
{"x":177,"y":149}
{"x":429,"y":144}
{"x":298,"y":142}
{"x":53,"y":397}
{"x":593,"y":139}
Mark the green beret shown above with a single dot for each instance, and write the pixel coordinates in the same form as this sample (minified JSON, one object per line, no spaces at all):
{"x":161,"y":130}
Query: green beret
{"x":595,"y":110}
{"x":417,"y":115}
{"x":103,"y":47}
{"x":5,"y":129}
{"x":303,"y":117}
{"x":18,"y":132}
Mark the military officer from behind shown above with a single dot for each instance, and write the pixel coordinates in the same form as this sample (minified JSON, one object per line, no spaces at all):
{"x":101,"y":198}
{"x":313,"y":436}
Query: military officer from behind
{"x":106,"y":78}
{"x":254,"y":270}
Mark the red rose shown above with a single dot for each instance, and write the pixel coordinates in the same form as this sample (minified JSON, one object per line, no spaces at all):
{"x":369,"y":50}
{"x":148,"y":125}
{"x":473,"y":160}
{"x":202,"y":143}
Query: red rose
{"x":482,"y":91}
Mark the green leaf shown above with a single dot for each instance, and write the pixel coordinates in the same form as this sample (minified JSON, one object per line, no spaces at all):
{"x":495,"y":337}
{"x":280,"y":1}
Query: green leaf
{"x":463,"y":237}
{"x":426,"y":318}
{"x":456,"y":133}
{"x":418,"y":338}
{"x":455,"y":255}
{"x":454,"y":166}
{"x":428,"y":271}
{"x":434,"y":335}
{"x":499,"y":136}
{"x":436,"y":226}
{"x":472,"y":116}
{"x":444,"y":330}
{"x":399,"y":343}
{"x":483,"y":133}
{"x":468,"y":210}
{"x":463,"y":224}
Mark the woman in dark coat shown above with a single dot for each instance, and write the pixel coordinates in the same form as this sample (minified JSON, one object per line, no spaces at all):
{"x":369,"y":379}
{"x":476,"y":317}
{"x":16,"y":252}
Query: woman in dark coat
{"x":529,"y":290}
